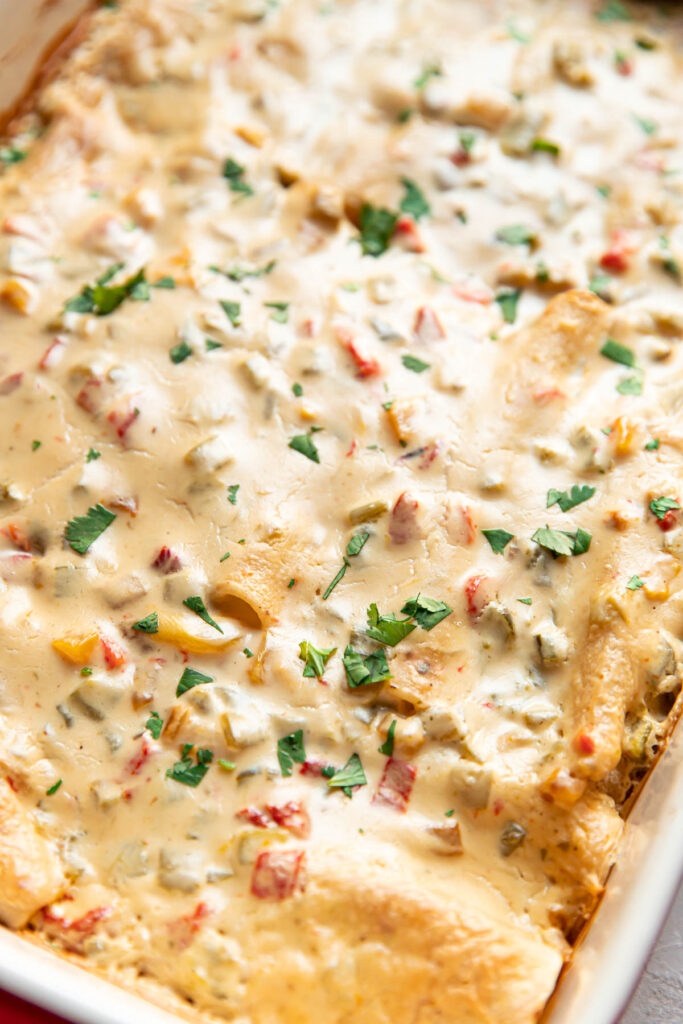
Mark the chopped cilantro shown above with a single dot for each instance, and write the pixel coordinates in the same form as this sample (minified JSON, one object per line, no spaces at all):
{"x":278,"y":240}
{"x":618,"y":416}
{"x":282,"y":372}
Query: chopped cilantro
{"x":507,"y":300}
{"x":196,"y":605}
{"x":336,"y":580}
{"x":180,"y":352}
{"x":82,"y":531}
{"x":227,"y":766}
{"x":365,"y":669}
{"x":618,"y":353}
{"x":660,"y":506}
{"x":604,"y":190}
{"x":516,"y":33}
{"x":631,"y":385}
{"x":561,"y":542}
{"x":405,"y":115}
{"x":290,"y":749}
{"x":647,"y":124}
{"x":428,"y":71}
{"x":498,"y":539}
{"x":155,"y":724}
{"x":376,"y":228}
{"x":387,"y":405}
{"x":545,"y":146}
{"x":291,"y":583}
{"x":635,"y":583}
{"x":303,"y":443}
{"x":280,"y":311}
{"x":413,"y":201}
{"x":356,"y":544}
{"x":524,"y":600}
{"x":427,"y":611}
{"x":211,"y":345}
{"x":297,"y":389}
{"x":150,"y":623}
{"x":569,"y":499}
{"x":164,"y":282}
{"x":388,"y":746}
{"x":232,"y":493}
{"x":613,"y":10}
{"x":516,"y":234}
{"x":387,"y":629}
{"x":186,"y":771}
{"x":224,"y":557}
{"x":102,"y":299}
{"x":86,"y":671}
{"x":92,"y":455}
{"x":239,"y":273}
{"x":644,"y":43}
{"x":350,"y":775}
{"x":233,"y":311}
{"x":315,"y":658}
{"x":414,"y":364}
{"x":467,"y":139}
{"x":12,"y":155}
{"x":234,"y":173}
{"x":600,"y":285}
{"x":190,"y":678}
{"x":53,"y":789}
{"x":247,"y":653}
{"x":652,"y":445}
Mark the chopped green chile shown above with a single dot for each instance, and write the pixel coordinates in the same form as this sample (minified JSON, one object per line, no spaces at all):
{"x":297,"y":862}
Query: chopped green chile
{"x":511,"y":838}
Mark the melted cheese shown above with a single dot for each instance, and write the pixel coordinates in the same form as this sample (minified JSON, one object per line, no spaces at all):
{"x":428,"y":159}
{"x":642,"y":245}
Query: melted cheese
{"x":351,"y":220}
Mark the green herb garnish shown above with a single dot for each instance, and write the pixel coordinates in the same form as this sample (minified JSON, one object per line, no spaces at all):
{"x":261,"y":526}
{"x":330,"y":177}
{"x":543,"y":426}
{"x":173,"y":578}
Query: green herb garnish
{"x":618,"y":353}
{"x":569,"y":499}
{"x":388,"y":746}
{"x":150,"y":623}
{"x":498,"y":539}
{"x":155,"y":724}
{"x":303,"y":443}
{"x":232,"y":310}
{"x":427,"y":611}
{"x":387,"y":629}
{"x":190,"y":678}
{"x":232,"y":493}
{"x":315,"y":658}
{"x":290,"y":749}
{"x":83,"y":531}
{"x":413,"y":201}
{"x":414,"y":364}
{"x":660,"y":506}
{"x":365,"y":669}
{"x":350,"y":775}
{"x":180,"y":352}
{"x":187,"y":772}
{"x":635,"y":583}
{"x":376,"y":228}
{"x":196,"y":605}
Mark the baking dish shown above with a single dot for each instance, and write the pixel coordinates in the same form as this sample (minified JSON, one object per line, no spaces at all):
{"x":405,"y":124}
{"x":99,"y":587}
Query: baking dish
{"x":640,"y":887}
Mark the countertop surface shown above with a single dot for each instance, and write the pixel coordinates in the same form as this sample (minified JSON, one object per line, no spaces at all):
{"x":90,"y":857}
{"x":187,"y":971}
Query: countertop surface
{"x":657,"y":1000}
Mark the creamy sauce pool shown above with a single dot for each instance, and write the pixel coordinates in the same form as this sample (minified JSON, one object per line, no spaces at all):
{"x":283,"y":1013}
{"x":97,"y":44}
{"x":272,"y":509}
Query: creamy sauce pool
{"x":267,"y":274}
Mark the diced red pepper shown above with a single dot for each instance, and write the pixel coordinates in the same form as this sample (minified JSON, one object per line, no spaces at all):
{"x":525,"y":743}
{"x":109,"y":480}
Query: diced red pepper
{"x":584,"y":744}
{"x":84,"y":925}
{"x":52,"y":354}
{"x":396,"y":784}
{"x":123,"y":419}
{"x":472,"y":291}
{"x":668,"y":521}
{"x":314,"y":768}
{"x":293,"y":817}
{"x":139,"y":760}
{"x":166,"y":561}
{"x":407,"y":230}
{"x":114,"y":655}
{"x":184,"y":929}
{"x":17,"y":534}
{"x":476,"y":596}
{"x":623,"y":64}
{"x":427,"y":327}
{"x":617,"y":259}
{"x":278,"y":874}
{"x":403,"y":525}
{"x":10,"y":384}
{"x":254,"y":816}
{"x":367,"y":366}
{"x":546,"y":395}
{"x":90,"y":397}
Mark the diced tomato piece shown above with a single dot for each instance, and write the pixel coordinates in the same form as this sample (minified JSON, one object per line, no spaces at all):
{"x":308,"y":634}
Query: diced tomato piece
{"x":90,"y":397}
{"x":52,"y":354}
{"x":475,"y":595}
{"x":584,"y":744}
{"x":546,"y":395}
{"x":461,"y":158}
{"x":17,"y":534}
{"x":293,"y":817}
{"x":473,"y":291}
{"x":427,"y":327}
{"x":617,"y":259}
{"x":21,"y":224}
{"x":123,"y":419}
{"x":430,"y":453}
{"x":114,"y":655}
{"x":313,"y":767}
{"x":624,"y":65}
{"x":352,"y":448}
{"x":139,"y":760}
{"x":470,"y":528}
{"x":184,"y":929}
{"x":10,"y":384}
{"x":403,"y":524}
{"x":166,"y":561}
{"x":668,"y":521}
{"x":278,"y":874}
{"x":254,"y":816}
{"x":84,"y":925}
{"x":367,"y":366}
{"x":396,"y":784}
{"x":408,"y":231}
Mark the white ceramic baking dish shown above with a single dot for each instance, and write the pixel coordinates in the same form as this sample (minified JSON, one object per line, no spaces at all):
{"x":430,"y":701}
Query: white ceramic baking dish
{"x":607,"y":965}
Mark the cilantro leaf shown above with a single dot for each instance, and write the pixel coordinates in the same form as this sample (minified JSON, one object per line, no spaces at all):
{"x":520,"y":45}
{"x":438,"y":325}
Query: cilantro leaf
{"x":233,"y":311}
{"x":164,"y":282}
{"x":303,"y":443}
{"x":12,"y":155}
{"x":155,"y":724}
{"x":297,"y":389}
{"x":660,"y":506}
{"x":336,"y":580}
{"x":387,"y":629}
{"x":560,"y":542}
{"x":53,"y":789}
{"x":239,"y":273}
{"x":196,"y":605}
{"x":635,"y":583}
{"x":356,"y":544}
{"x":647,"y":124}
{"x":545,"y":146}
{"x":388,"y":746}
{"x":508,"y":300}
{"x":653,"y":445}
{"x":186,"y":771}
{"x":414,"y":364}
{"x":376,"y":228}
{"x":613,"y":10}
{"x":150,"y":623}
{"x":315,"y":658}
{"x":232,"y":493}
{"x":290,"y":749}
{"x":498,"y":539}
{"x":618,"y":353}
{"x":180,"y":352}
{"x":212,"y":345}
{"x":524,"y":600}
{"x":631,"y":385}
{"x":413,"y":201}
{"x":280,"y":311}
{"x":569,"y":499}
{"x":102,"y":299}
{"x":428,"y":71}
{"x":191,"y":677}
{"x":365,"y":669}
{"x":92,"y":455}
{"x":82,"y":531}
{"x":227,"y":766}
{"x":427,"y":611}
{"x":516,"y":234}
{"x":234,"y":173}
{"x":350,"y":775}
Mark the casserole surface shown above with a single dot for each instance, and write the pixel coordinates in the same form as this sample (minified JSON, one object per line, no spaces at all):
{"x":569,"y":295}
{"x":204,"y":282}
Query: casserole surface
{"x":272,"y":297}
